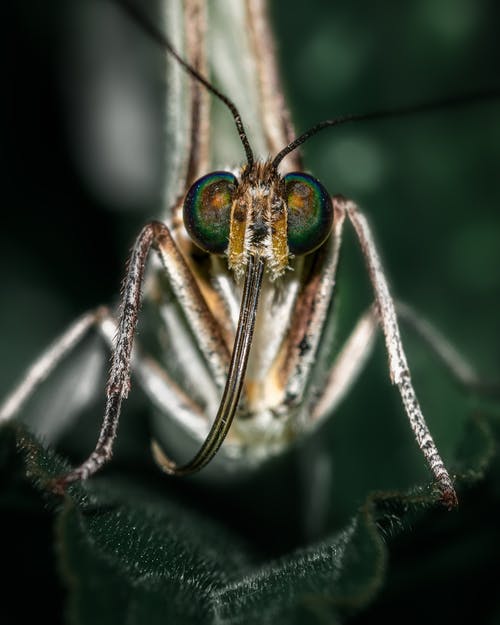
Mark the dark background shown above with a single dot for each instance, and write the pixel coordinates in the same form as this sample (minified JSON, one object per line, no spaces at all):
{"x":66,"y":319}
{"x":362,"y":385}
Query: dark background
{"x":429,"y":185}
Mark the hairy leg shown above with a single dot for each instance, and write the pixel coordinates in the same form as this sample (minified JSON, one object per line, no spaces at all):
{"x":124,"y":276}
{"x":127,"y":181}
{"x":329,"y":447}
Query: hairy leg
{"x":398,"y":365}
{"x":48,"y":361}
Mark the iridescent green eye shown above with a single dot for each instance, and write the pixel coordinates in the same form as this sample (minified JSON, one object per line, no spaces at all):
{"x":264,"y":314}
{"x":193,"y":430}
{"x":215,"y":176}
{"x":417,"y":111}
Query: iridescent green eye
{"x":207,"y":211}
{"x":310,"y":213}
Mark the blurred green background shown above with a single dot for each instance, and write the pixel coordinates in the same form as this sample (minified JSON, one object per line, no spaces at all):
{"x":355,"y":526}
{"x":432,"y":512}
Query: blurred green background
{"x":429,"y":184}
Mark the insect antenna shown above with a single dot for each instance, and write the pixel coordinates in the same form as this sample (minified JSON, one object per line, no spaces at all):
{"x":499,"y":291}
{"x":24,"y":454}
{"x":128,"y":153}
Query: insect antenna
{"x":160,"y":37}
{"x":432,"y":105}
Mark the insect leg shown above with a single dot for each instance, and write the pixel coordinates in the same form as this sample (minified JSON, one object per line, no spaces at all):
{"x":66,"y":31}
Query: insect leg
{"x":347,"y":367}
{"x":155,"y":382}
{"x":48,"y":361}
{"x":311,"y":308}
{"x":459,"y":368}
{"x":204,"y":326}
{"x":398,"y":365}
{"x":351,"y":359}
{"x":159,"y":387}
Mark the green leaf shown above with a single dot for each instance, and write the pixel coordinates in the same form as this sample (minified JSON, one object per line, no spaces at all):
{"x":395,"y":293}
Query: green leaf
{"x":132,"y":550}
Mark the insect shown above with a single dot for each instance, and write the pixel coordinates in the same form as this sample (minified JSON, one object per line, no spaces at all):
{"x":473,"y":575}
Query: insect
{"x":278,"y":401}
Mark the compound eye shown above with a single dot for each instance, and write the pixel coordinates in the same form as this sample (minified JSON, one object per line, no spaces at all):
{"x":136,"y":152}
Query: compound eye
{"x":310,"y":213}
{"x":207,"y":211}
